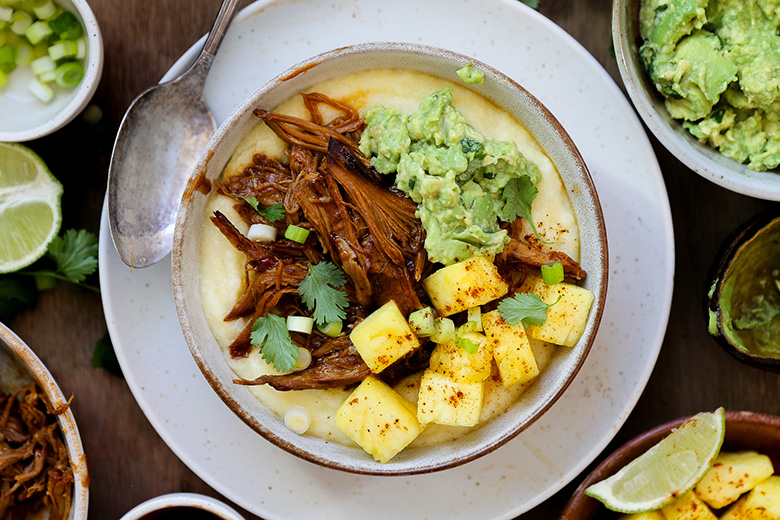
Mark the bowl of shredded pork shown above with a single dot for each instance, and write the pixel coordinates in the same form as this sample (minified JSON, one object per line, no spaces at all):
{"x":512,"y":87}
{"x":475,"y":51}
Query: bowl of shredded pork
{"x":391,"y":259}
{"x":43,"y":470}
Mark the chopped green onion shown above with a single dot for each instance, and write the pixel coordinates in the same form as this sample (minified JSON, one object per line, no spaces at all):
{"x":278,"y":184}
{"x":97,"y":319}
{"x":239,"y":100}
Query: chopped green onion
{"x":41,"y":91}
{"x":552,"y":273}
{"x":40,"y":49}
{"x":69,"y":74}
{"x":467,"y":339}
{"x":474,"y":315}
{"x":48,"y":76}
{"x":422,"y":322}
{"x":304,"y":359}
{"x":259,"y":232}
{"x":296,"y":234}
{"x":3,"y":78}
{"x":331,"y":329}
{"x":66,"y":25}
{"x":297,"y":419}
{"x":63,"y":49}
{"x":20,"y":22}
{"x":38,"y":31}
{"x":44,"y":9}
{"x":6,"y":14}
{"x":42,"y":64}
{"x":444,"y":330}
{"x":302,"y":324}
{"x":7,"y":58}
{"x":81,"y":53}
{"x":24,"y":54}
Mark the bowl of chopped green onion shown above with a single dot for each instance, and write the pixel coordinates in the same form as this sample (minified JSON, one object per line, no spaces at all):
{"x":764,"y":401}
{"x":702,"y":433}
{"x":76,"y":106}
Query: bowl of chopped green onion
{"x":51,"y":59}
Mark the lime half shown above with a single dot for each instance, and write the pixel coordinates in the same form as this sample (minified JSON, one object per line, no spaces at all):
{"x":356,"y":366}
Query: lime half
{"x":30,"y":213}
{"x":667,"y":470}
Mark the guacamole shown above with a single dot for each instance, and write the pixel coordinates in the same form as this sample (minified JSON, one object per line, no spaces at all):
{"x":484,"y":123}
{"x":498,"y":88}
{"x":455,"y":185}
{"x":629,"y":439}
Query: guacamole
{"x":717,"y":62}
{"x":459,"y":178}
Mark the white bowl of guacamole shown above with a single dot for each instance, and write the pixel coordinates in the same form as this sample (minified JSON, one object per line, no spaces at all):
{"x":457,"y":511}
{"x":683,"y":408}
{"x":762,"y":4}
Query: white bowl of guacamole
{"x":209,"y":273}
{"x":703,"y":75}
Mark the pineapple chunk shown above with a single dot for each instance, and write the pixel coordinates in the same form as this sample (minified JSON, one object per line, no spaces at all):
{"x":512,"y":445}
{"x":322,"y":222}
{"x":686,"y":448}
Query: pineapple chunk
{"x":511,"y":349}
{"x":731,"y":475}
{"x":566,"y":319}
{"x":464,"y":285}
{"x":383,"y":337}
{"x":650,"y":515}
{"x":688,"y":507}
{"x":458,"y":365}
{"x":762,"y":503}
{"x":379,"y":419}
{"x":444,"y":401}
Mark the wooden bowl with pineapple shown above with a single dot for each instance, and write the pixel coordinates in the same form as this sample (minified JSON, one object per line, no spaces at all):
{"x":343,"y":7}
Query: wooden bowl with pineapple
{"x":391,"y":259}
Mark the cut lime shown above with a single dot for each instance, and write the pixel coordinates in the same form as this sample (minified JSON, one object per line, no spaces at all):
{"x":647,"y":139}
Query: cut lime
{"x":667,"y":470}
{"x":30,"y":213}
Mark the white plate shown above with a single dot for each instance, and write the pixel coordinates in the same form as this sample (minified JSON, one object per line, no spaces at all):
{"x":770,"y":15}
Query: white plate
{"x":266,"y":39}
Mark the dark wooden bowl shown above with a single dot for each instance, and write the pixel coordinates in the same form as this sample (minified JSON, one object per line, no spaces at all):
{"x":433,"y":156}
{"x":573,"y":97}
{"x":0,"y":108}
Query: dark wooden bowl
{"x":744,"y":431}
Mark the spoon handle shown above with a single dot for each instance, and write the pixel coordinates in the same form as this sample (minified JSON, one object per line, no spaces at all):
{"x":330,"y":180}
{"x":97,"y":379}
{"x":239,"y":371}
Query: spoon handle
{"x":200,"y":67}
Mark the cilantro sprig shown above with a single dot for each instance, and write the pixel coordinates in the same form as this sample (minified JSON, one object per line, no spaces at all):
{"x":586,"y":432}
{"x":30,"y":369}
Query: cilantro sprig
{"x":270,"y":334}
{"x":320,"y":292}
{"x":518,"y":195}
{"x":525,"y":308}
{"x":272,"y":213}
{"x":70,"y":258}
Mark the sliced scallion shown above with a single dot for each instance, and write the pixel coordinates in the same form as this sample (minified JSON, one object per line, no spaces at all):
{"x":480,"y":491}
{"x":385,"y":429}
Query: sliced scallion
{"x":260,"y":232}
{"x":23,"y":53}
{"x":7,"y":58}
{"x":20,"y":21}
{"x":302,"y":324}
{"x":296,"y":234}
{"x":42,"y":64}
{"x":552,"y":273}
{"x":6,"y":14}
{"x":38,"y":31}
{"x":69,"y":74}
{"x":48,"y":76}
{"x":331,"y":329}
{"x":41,"y":91}
{"x":63,"y":49}
{"x":44,"y":9}
{"x":81,"y":53}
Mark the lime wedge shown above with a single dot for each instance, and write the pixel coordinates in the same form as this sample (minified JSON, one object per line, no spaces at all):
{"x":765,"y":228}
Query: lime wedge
{"x":30,"y":213}
{"x":667,"y":470}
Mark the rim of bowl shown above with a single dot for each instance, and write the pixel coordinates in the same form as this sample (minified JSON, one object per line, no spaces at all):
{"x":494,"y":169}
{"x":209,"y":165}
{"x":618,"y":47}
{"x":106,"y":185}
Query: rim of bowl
{"x":193,"y":500}
{"x":295,"y":444}
{"x":702,"y":159}
{"x":70,"y":431}
{"x":767,"y":426}
{"x":86,"y":88}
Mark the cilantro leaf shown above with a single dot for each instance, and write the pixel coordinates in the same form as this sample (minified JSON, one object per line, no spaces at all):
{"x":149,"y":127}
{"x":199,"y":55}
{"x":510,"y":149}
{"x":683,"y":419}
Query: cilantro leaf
{"x":270,"y":333}
{"x":16,"y":294}
{"x":272,"y":213}
{"x":319,"y":291}
{"x":527,"y":308}
{"x":103,"y":356}
{"x":518,"y":195}
{"x":75,"y":254}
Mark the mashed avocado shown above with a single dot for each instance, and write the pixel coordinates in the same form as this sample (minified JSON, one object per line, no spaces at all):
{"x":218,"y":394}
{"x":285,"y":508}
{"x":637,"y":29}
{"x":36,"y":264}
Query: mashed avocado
{"x":460,"y":179}
{"x":717,"y":62}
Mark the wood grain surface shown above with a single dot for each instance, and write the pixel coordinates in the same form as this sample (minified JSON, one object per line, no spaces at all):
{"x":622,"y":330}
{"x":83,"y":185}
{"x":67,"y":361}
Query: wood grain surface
{"x":129,"y":462}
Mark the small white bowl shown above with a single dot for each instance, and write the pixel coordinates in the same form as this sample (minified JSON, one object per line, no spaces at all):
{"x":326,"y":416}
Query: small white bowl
{"x":24,"y":117}
{"x":158,"y":505}
{"x":19,"y":366}
{"x":703,"y":159}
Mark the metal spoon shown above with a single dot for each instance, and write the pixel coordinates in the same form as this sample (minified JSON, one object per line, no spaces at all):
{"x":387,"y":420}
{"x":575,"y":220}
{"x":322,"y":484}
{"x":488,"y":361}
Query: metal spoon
{"x":159,"y":141}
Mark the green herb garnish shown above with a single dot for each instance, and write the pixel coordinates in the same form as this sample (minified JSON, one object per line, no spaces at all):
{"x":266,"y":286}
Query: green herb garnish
{"x":518,"y":195}
{"x":527,"y":308}
{"x":270,"y":334}
{"x":533,"y":4}
{"x":272,"y":213}
{"x":319,"y":291}
{"x":552,"y":273}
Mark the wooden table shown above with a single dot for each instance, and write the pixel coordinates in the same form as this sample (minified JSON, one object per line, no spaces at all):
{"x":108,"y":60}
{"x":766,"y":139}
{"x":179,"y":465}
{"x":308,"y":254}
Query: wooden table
{"x":129,"y":462}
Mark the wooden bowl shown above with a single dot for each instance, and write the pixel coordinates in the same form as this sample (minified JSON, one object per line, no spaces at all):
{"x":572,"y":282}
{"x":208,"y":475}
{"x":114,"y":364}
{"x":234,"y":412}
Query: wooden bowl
{"x":744,"y":431}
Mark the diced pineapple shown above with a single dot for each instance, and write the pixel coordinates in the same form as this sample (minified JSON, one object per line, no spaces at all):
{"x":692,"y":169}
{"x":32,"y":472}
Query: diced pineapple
{"x":444,"y":401}
{"x":731,"y":475}
{"x":464,"y":285}
{"x":688,"y":507}
{"x":650,"y":515}
{"x":378,"y":419}
{"x":511,"y":349}
{"x":762,"y":503}
{"x":457,"y":364}
{"x":567,"y":318}
{"x":383,"y":337}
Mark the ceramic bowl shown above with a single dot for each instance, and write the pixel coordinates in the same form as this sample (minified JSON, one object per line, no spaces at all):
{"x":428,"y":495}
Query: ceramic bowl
{"x":24,"y":117}
{"x":702,"y":159}
{"x":19,"y":366}
{"x":499,"y":89}
{"x":744,"y":274}
{"x":744,"y":431}
{"x":181,"y":505}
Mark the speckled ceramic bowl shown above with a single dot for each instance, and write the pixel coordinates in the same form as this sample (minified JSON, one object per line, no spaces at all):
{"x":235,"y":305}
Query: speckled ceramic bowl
{"x":501,"y":90}
{"x":24,"y":118}
{"x":702,"y":159}
{"x":744,"y":431}
{"x":19,"y":366}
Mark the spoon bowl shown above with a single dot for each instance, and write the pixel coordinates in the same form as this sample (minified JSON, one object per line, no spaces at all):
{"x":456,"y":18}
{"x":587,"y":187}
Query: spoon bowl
{"x":159,"y":140}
